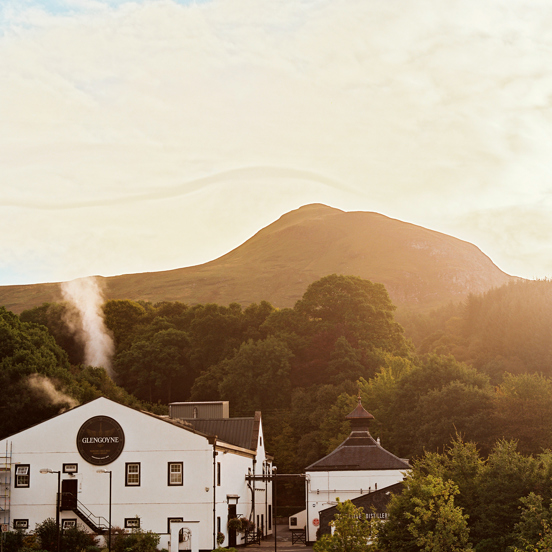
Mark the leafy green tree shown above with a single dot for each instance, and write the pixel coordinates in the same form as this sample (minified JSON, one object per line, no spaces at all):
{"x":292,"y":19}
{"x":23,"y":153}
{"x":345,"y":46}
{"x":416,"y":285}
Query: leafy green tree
{"x":345,"y":363}
{"x":361,"y":310}
{"x":215,"y":332}
{"x":425,"y":413}
{"x":506,"y":476}
{"x":523,"y":411}
{"x":55,"y":317}
{"x":533,"y":532}
{"x":252,"y":375}
{"x":435,"y":522}
{"x":122,"y":317}
{"x":425,"y":518}
{"x":28,"y":350}
{"x":152,"y":369}
{"x":353,"y":532}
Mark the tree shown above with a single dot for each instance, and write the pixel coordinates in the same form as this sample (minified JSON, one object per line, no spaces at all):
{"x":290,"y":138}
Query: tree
{"x":504,"y":478}
{"x":152,"y":368}
{"x":534,"y":530}
{"x":425,"y":401}
{"x":523,"y":411}
{"x":361,"y":310}
{"x":353,"y":532}
{"x":121,"y":318}
{"x":27,"y":350}
{"x":55,"y":316}
{"x":424,"y":518}
{"x":255,"y":372}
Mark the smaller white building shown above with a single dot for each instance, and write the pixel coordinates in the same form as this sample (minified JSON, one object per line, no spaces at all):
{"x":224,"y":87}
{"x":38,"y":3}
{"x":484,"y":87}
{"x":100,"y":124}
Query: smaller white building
{"x":358,"y":466}
{"x":162,"y":474}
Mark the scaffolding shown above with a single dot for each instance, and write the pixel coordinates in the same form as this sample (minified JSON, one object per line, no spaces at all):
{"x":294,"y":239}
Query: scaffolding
{"x":5,"y":485}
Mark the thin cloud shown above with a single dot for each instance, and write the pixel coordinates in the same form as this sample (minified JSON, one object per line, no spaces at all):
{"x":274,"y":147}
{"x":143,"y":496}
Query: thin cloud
{"x":242,"y":174}
{"x":426,"y":112}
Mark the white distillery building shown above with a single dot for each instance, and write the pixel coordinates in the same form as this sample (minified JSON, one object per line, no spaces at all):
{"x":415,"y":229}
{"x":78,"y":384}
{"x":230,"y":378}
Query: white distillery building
{"x":177,"y":478}
{"x":358,"y":466}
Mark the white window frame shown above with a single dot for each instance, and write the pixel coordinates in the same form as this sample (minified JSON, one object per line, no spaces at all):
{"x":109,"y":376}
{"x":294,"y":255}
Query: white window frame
{"x":172,"y":479}
{"x":20,"y":523}
{"x":133,"y":478}
{"x":22,"y":476}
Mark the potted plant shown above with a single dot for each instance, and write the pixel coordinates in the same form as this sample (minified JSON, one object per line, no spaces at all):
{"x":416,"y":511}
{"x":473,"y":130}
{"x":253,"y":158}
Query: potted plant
{"x":235,"y":524}
{"x":247,"y":525}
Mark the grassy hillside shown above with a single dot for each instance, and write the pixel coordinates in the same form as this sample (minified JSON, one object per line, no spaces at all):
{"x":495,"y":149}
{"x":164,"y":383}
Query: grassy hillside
{"x":420,"y":268}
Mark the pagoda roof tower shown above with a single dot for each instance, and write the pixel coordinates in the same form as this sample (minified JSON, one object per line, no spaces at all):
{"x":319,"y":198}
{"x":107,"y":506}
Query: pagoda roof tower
{"x":359,"y":451}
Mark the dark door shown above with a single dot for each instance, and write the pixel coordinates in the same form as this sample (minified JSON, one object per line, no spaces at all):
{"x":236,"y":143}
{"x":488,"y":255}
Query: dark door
{"x":232,"y":532}
{"x":69,"y":489}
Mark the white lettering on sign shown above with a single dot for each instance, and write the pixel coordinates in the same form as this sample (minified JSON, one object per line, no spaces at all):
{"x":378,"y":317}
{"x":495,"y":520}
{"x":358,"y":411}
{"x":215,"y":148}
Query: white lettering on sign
{"x":92,"y":440}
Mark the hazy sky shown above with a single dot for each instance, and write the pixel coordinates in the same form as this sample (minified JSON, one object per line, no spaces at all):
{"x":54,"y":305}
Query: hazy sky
{"x":155,"y":134}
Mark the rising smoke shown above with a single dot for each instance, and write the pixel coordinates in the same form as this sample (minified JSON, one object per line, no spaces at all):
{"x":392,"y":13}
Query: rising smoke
{"x":86,"y":321}
{"x":43,"y":385}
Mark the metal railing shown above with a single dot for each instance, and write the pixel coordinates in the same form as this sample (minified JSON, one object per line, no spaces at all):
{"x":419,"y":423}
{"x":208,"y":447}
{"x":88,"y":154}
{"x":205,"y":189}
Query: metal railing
{"x":98,"y":523}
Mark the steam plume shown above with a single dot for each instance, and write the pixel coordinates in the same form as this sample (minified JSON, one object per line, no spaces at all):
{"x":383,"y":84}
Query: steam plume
{"x":43,"y":385}
{"x":88,"y":324}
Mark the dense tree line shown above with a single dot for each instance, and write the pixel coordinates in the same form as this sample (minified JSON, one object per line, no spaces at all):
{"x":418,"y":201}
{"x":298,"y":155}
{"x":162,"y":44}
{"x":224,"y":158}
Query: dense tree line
{"x":481,"y":369}
{"x":507,"y":329}
{"x":340,"y":333}
{"x":460,"y":499}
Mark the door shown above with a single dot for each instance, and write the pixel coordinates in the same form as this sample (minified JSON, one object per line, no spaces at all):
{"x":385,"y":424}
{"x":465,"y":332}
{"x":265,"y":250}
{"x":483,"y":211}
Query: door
{"x":69,"y":490}
{"x":232,"y":532}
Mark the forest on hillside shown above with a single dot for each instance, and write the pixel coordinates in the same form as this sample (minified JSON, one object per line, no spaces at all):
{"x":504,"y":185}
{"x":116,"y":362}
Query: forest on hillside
{"x":480,"y":371}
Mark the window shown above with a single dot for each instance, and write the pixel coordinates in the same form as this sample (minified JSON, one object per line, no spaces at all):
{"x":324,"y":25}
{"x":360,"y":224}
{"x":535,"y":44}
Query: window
{"x":132,"y":523}
{"x":69,"y":523}
{"x":176,"y":472}
{"x":293,"y":522}
{"x":218,"y":474}
{"x":20,"y":523}
{"x":270,"y":516}
{"x":132,"y":474}
{"x":218,"y":524}
{"x":70,"y":468}
{"x":22,"y":475}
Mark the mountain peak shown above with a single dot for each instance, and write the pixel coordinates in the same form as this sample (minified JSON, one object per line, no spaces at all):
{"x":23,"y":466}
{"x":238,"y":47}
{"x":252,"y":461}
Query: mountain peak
{"x":421,"y":268}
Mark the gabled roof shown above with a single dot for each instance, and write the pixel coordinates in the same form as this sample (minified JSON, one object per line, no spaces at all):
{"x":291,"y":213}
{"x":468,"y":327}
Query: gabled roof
{"x":242,"y":432}
{"x":359,"y":451}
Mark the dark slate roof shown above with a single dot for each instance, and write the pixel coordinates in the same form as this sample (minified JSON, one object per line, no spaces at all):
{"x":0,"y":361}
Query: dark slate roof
{"x":242,"y":432}
{"x":359,"y":452}
{"x":359,"y":413}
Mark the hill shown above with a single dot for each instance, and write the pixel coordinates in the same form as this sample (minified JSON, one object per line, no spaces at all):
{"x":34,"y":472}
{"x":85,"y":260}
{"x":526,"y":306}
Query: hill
{"x":421,"y":269}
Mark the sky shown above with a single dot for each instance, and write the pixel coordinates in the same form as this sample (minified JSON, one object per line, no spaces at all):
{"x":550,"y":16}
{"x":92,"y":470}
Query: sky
{"x":146,"y":135}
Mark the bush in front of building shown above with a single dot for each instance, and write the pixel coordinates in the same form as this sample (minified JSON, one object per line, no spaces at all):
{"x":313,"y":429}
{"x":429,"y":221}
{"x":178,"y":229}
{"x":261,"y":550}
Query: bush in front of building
{"x":13,"y":541}
{"x":137,"y":540}
{"x":71,"y":540}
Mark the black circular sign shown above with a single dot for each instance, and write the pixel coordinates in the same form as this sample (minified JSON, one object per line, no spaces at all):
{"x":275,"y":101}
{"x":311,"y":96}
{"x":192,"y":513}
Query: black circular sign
{"x":100,"y":440}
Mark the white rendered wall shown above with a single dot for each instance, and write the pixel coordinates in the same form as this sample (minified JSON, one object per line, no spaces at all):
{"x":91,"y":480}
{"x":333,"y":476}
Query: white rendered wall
{"x":151,"y":442}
